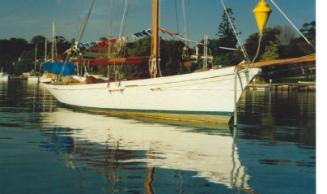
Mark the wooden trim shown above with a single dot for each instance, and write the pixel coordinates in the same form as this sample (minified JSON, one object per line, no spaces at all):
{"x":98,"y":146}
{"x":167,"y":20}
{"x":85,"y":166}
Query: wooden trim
{"x":277,"y":62}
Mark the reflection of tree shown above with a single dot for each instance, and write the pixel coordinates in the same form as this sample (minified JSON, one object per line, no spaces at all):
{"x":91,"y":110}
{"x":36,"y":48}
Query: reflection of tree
{"x":289,"y":116}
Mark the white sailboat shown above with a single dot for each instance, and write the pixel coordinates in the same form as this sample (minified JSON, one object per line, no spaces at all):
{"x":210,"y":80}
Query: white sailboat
{"x":3,"y":76}
{"x":47,"y":77}
{"x":195,"y":96}
{"x":33,"y":78}
{"x":207,"y":97}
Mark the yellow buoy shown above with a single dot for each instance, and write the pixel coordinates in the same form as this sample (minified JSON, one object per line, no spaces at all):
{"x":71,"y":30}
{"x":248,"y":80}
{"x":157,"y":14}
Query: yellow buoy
{"x":261,"y":13}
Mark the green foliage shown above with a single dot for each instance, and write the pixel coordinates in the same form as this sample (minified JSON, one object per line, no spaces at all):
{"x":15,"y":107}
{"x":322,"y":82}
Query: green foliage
{"x":298,"y":46}
{"x":62,"y":45}
{"x":25,"y":63}
{"x":171,"y":56}
{"x":213,"y":45}
{"x":225,"y":34}
{"x":10,"y":50}
{"x":38,"y":40}
{"x":270,"y":36}
{"x":228,"y":59}
{"x":309,"y":30}
{"x":226,"y":38}
{"x":17,"y":55}
{"x":270,"y":52}
{"x":286,"y":35}
{"x":140,"y":47}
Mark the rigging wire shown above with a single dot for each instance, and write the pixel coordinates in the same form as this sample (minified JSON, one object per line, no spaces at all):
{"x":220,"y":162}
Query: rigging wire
{"x":117,"y":70}
{"x":177,"y":18}
{"x":184,"y":20}
{"x":291,"y":23}
{"x":86,"y":21}
{"x":80,"y":36}
{"x":122,"y":23}
{"x":109,"y":37}
{"x":239,"y":41}
{"x":109,"y":27}
{"x":159,"y":41}
{"x":258,"y":49}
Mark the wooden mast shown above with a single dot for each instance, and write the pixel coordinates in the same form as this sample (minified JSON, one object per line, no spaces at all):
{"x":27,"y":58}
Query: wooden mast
{"x":154,"y":61}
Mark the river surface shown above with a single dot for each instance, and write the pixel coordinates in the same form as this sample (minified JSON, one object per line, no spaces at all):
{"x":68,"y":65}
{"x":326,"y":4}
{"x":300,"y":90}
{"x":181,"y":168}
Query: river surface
{"x":46,"y":148}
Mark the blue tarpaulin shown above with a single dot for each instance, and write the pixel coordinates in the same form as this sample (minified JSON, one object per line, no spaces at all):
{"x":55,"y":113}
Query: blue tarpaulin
{"x":59,"y":68}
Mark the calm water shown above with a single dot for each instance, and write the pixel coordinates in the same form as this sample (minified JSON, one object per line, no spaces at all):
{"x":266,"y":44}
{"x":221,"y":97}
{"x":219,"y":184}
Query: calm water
{"x":45,"y":148}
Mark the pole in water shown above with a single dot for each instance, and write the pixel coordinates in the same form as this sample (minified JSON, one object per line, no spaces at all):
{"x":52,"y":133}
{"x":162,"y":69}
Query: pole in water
{"x":235,"y":97}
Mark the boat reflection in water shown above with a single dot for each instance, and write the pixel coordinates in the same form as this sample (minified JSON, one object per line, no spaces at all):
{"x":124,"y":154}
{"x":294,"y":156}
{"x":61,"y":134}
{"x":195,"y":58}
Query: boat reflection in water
{"x":111,"y":143}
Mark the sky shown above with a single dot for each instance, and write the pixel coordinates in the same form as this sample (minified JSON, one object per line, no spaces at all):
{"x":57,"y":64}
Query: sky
{"x":27,"y":18}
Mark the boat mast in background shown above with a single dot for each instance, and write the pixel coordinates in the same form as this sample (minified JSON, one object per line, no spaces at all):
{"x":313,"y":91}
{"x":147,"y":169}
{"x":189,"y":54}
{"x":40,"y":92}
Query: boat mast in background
{"x":205,"y":52}
{"x":35,"y":57}
{"x":53,"y":48}
{"x":45,"y":50}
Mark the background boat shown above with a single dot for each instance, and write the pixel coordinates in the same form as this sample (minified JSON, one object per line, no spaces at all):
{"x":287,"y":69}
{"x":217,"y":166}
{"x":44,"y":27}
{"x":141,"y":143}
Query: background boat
{"x":3,"y":76}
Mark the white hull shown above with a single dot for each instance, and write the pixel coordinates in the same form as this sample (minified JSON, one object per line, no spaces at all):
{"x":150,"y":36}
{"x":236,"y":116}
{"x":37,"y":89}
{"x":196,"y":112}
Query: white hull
{"x":32,"y":79}
{"x":3,"y":77}
{"x":209,"y":92}
{"x":35,"y":79}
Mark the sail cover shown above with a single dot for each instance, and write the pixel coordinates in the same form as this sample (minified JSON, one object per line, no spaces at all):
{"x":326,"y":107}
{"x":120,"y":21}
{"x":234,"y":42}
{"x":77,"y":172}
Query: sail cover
{"x":59,"y":68}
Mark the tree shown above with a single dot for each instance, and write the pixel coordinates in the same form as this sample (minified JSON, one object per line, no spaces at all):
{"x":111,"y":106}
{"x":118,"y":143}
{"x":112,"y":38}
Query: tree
{"x":25,"y":62}
{"x":171,"y":57}
{"x":141,"y":47}
{"x":62,"y":44}
{"x":38,"y":40}
{"x":226,"y":38}
{"x":225,"y":32}
{"x":298,"y":46}
{"x":270,"y":36}
{"x":228,"y":59}
{"x":286,"y":35}
{"x":309,"y":30}
{"x":270,"y":52}
{"x":10,"y":51}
